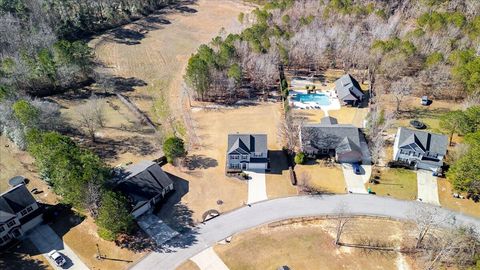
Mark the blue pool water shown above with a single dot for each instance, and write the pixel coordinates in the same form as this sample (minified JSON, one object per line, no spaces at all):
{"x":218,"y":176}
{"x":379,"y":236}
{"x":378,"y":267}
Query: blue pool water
{"x":320,"y":99}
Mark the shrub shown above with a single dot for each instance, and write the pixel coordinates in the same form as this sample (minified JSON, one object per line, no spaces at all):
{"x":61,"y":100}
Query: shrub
{"x":106,"y":234}
{"x":26,"y":113}
{"x":173,"y":148}
{"x":114,"y":216}
{"x":300,"y":158}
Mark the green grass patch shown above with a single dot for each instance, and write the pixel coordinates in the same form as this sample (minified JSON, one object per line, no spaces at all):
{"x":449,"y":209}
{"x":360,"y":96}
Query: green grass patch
{"x":397,"y":183}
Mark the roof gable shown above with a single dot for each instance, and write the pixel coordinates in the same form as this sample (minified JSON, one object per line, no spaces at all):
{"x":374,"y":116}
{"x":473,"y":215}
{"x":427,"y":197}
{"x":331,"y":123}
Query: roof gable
{"x":143,"y":181}
{"x":247,"y":143}
{"x":421,"y":141}
{"x":239,"y":147}
{"x":348,"y":88}
{"x":331,"y":136}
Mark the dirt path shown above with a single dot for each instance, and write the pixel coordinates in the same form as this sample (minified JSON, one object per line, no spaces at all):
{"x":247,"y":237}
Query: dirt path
{"x":150,"y":54}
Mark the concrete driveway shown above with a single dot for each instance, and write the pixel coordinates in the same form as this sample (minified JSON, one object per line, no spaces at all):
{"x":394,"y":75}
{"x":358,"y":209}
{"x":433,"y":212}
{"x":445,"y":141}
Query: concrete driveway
{"x":355,"y":182}
{"x":265,"y":212}
{"x":427,"y":187}
{"x":156,"y":228}
{"x":257,"y":187}
{"x":46,"y":240}
{"x":209,"y":260}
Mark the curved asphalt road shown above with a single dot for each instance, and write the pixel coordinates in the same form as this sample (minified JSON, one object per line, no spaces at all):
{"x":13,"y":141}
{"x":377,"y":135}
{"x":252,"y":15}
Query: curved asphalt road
{"x":269,"y":211}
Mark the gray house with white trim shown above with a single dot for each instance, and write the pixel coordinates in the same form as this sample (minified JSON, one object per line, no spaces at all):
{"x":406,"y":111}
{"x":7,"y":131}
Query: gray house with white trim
{"x":19,"y":213}
{"x":144,"y":184}
{"x":420,"y":149}
{"x":328,"y":138}
{"x":247,"y":152}
{"x":348,"y":90}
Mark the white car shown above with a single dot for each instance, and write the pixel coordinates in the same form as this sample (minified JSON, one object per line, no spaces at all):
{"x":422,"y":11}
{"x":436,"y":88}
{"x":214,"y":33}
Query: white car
{"x":57,"y":258}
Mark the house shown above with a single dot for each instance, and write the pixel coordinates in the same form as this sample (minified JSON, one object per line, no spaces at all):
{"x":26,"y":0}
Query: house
{"x":348,"y":90}
{"x":247,"y":152}
{"x":420,"y":149}
{"x":19,"y":213}
{"x":144,"y":184}
{"x":330,"y":138}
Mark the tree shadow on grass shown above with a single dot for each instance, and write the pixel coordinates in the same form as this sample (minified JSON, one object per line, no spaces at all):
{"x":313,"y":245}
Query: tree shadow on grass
{"x":178,"y":216}
{"x":62,"y":218}
{"x":109,"y":149}
{"x":278,"y":161}
{"x":133,"y":35}
{"x":200,"y":162}
{"x":17,"y":257}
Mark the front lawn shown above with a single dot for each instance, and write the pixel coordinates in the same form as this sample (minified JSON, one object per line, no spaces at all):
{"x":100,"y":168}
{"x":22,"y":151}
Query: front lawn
{"x":447,"y":200}
{"x":309,"y":245}
{"x":320,"y":177}
{"x":397,"y":183}
{"x":188,"y":265}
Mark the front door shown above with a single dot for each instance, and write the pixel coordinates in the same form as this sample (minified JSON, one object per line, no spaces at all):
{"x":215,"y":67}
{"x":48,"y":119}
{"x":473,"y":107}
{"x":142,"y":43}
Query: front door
{"x":244,"y":166}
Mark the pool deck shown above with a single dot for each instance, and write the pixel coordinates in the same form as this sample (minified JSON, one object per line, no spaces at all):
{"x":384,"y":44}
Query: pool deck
{"x":334,"y":102}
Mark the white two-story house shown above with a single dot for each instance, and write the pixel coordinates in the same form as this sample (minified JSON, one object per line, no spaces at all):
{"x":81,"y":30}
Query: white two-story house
{"x":420,"y":149}
{"x":19,"y":212}
{"x":247,"y":152}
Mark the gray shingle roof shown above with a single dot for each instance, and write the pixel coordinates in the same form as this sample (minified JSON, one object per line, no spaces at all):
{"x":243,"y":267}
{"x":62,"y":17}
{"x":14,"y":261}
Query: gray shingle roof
{"x":423,"y":141}
{"x":241,"y":143}
{"x":13,"y":201}
{"x":342,"y":138}
{"x":143,"y":181}
{"x":348,"y":89}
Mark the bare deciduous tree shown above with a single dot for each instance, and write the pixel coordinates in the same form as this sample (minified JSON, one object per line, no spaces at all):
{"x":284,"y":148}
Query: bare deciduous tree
{"x":92,"y":115}
{"x":93,"y":198}
{"x":427,"y":218}
{"x":400,"y":89}
{"x":378,"y":123}
{"x":342,"y":219}
{"x":289,"y":131}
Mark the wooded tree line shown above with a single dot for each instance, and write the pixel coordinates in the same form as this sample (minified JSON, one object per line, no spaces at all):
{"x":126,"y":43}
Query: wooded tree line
{"x":465,"y":170}
{"x":40,"y":50}
{"x":40,"y":53}
{"x":433,"y":42}
{"x":77,"y":175}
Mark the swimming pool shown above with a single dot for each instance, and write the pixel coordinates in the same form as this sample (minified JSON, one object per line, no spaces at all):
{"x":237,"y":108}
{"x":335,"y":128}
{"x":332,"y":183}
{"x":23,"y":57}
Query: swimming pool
{"x":320,"y":99}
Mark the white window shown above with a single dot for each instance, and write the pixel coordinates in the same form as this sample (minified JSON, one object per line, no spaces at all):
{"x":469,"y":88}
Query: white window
{"x":234,"y":156}
{"x":1,"y":228}
{"x":24,"y":212}
{"x":244,"y":156}
{"x":29,"y":209}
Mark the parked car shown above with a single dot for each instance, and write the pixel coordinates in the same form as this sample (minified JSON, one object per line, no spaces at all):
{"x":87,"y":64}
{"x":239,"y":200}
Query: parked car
{"x":418,"y":124}
{"x":425,"y":101}
{"x":57,"y":258}
{"x":356,"y":168}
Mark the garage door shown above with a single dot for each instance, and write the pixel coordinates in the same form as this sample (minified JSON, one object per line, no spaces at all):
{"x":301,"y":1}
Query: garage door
{"x":257,"y":166}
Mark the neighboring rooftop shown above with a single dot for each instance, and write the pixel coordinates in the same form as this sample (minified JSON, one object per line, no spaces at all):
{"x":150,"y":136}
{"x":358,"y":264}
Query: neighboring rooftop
{"x":348,"y":89}
{"x":330,"y":135}
{"x":13,"y":201}
{"x":143,"y":181}
{"x":422,"y":141}
{"x":247,"y":143}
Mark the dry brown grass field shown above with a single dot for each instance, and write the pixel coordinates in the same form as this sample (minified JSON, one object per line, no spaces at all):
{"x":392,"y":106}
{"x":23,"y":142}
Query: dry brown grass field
{"x":310,"y":245}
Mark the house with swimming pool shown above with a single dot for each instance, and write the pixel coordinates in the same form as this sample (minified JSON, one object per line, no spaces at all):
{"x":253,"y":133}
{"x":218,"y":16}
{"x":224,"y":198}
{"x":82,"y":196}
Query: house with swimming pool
{"x":348,"y":90}
{"x":328,"y":138}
